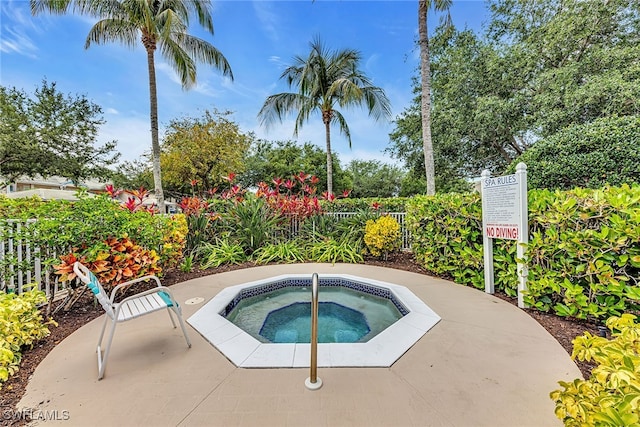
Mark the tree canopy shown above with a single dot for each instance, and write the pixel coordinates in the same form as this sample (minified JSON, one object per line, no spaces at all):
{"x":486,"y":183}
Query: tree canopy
{"x":605,"y":151}
{"x":50,"y":133}
{"x":540,"y":67}
{"x":202,"y":149}
{"x":267,"y":160}
{"x":372,"y":178}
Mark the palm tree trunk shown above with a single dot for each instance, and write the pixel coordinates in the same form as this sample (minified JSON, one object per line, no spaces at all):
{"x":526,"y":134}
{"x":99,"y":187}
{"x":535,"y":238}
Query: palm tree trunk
{"x":425,"y":73}
{"x":327,"y":127}
{"x":155,"y":142}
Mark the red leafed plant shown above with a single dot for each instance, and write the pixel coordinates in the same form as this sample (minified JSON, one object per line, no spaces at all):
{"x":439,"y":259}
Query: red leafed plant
{"x":299,"y":198}
{"x":119,"y":260}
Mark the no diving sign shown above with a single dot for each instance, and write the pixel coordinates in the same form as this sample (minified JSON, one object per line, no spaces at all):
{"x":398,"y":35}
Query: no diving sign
{"x":502,"y":231}
{"x":505,"y":216}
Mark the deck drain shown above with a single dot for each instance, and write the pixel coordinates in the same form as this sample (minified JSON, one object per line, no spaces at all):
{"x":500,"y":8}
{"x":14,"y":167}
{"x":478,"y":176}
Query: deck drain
{"x":194,"y":301}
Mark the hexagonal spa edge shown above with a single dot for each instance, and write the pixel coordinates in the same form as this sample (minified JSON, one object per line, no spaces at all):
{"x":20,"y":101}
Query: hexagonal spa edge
{"x":381,"y":351}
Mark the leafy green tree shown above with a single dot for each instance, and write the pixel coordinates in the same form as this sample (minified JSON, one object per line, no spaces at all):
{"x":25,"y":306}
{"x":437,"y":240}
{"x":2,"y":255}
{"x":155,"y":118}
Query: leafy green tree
{"x":325,"y":80}
{"x":478,"y":121}
{"x":372,"y":178}
{"x":158,"y":24}
{"x":590,"y":155}
{"x":51,"y":134}
{"x":425,"y":76}
{"x":282,"y":159}
{"x":133,"y":174}
{"x":577,"y":60}
{"x":202,"y":149}
{"x":540,"y":68}
{"x":406,"y":145}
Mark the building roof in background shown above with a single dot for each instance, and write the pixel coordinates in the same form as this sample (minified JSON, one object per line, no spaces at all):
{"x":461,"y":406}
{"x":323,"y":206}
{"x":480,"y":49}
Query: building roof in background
{"x":46,"y":194}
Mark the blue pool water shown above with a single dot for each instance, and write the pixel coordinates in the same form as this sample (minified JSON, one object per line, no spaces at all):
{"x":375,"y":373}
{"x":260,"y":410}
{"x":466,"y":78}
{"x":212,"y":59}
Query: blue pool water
{"x":336,"y":323}
{"x":283,"y":315}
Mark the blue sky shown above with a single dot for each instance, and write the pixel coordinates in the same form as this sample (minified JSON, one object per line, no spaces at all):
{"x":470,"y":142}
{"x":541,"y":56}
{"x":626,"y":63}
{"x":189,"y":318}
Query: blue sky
{"x":258,"y":38}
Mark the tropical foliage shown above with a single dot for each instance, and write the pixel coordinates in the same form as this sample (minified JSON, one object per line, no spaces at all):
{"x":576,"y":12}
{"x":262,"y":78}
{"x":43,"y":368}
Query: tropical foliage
{"x":158,"y":24}
{"x":113,"y":261}
{"x":323,"y":81}
{"x":21,"y":325}
{"x":610,"y":396}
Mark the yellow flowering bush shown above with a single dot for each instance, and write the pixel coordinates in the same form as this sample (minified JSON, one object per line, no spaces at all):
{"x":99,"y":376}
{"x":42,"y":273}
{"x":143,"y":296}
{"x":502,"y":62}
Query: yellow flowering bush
{"x":21,"y":324}
{"x":174,"y":240}
{"x":611,"y":396}
{"x":382,"y":235}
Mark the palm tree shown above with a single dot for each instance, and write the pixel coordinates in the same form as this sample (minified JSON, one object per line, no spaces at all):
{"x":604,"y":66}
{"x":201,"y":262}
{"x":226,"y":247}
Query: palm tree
{"x":325,"y":80}
{"x":425,"y":74}
{"x":158,"y":24}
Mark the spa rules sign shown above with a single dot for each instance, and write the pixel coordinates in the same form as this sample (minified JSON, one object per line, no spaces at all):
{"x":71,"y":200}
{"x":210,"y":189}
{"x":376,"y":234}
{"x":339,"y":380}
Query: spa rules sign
{"x":505,"y":216}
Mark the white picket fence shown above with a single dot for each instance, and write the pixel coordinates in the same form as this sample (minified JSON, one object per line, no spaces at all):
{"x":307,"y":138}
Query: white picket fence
{"x":21,"y":263}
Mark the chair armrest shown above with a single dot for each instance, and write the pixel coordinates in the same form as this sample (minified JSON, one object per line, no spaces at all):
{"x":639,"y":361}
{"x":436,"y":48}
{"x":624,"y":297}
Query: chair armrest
{"x":115,"y":290}
{"x":149,"y":292}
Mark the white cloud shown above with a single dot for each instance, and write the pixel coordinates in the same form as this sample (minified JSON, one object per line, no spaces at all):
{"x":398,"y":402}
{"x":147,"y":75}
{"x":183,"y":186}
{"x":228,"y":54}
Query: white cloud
{"x":268,"y":18}
{"x":131,"y":133}
{"x":168,"y":72}
{"x":112,"y":111}
{"x":14,"y":30}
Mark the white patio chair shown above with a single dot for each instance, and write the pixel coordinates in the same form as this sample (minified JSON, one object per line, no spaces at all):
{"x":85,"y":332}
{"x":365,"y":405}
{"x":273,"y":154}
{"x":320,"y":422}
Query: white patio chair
{"x":129,"y":308}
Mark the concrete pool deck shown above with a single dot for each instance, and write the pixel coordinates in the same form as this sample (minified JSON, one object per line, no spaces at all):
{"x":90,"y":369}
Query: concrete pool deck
{"x":486,"y":363}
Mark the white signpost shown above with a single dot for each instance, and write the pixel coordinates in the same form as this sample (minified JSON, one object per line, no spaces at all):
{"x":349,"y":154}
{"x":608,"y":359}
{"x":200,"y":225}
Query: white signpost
{"x":505,"y":216}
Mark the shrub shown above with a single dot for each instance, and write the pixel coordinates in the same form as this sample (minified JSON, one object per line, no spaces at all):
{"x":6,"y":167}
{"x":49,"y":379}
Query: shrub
{"x":222,"y":252}
{"x":288,"y":252}
{"x":611,"y":396}
{"x":61,"y":225}
{"x":446,"y":233}
{"x":113,"y":262}
{"x":174,"y":239}
{"x":583,"y":254}
{"x":382,"y":235}
{"x":333,"y":251}
{"x":385,"y":204}
{"x":21,"y":325}
{"x":590,"y":155}
{"x":251,"y":224}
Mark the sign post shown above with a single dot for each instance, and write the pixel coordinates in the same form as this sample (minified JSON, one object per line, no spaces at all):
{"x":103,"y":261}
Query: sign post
{"x":505,"y":216}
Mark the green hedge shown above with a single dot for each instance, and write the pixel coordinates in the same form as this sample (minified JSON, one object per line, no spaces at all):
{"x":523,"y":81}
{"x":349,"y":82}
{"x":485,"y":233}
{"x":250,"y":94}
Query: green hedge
{"x":62,"y":225}
{"x":387,"y":204}
{"x":591,"y":155}
{"x":583,"y":254}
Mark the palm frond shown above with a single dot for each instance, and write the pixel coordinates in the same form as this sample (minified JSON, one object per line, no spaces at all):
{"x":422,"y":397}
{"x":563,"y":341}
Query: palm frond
{"x":109,"y":30}
{"x":342,"y":125}
{"x":278,"y":106}
{"x":203,"y":51}
{"x":179,"y":60}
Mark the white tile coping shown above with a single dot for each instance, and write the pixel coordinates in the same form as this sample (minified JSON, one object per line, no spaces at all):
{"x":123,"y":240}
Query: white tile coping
{"x":380,"y":351}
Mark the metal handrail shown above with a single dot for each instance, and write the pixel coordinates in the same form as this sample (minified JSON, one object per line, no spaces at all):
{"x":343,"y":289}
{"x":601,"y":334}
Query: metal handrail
{"x":313,"y":382}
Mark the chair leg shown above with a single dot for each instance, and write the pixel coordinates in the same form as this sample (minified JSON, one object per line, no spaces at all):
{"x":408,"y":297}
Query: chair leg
{"x":102,"y":359}
{"x":171,"y":317}
{"x":184,"y":329}
{"x":104,"y":326}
